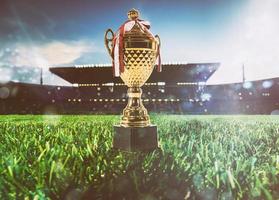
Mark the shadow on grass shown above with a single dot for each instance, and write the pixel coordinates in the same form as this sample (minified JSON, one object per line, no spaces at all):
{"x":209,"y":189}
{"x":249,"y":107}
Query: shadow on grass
{"x":153,"y":175}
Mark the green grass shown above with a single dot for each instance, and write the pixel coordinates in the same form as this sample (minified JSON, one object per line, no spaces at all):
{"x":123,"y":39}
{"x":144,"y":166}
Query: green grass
{"x":201,"y":157}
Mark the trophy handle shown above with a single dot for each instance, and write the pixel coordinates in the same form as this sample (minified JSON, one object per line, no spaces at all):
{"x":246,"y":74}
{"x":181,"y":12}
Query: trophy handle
{"x":158,"y":43}
{"x":108,"y":41}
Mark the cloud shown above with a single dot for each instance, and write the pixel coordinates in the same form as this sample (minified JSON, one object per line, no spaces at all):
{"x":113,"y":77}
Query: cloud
{"x":51,"y":54}
{"x":21,"y":62}
{"x":5,"y":75}
{"x":252,"y":41}
{"x":250,"y":38}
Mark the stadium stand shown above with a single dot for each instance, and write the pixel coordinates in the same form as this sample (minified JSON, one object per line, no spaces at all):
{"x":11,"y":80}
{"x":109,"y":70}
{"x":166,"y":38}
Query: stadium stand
{"x":180,"y":89}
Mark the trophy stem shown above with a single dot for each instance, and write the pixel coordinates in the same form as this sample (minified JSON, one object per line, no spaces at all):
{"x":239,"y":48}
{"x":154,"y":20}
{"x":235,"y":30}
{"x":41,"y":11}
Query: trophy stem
{"x":135,"y":114}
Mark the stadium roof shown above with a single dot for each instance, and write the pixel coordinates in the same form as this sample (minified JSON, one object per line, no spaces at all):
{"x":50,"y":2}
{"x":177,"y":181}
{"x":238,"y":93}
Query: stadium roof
{"x":171,"y":73}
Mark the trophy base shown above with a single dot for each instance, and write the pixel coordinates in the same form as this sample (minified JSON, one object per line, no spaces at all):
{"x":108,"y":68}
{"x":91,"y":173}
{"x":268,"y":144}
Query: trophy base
{"x":135,"y":138}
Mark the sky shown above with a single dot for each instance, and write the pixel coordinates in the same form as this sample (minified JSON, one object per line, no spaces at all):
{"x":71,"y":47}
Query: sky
{"x":68,"y":32}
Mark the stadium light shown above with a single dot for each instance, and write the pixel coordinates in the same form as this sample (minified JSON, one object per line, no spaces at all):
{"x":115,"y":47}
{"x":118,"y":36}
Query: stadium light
{"x":267,"y":84}
{"x":206,"y":97}
{"x":247,"y":85}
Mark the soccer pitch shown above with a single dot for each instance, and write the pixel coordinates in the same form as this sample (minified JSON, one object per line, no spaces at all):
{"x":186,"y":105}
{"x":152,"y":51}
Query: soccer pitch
{"x":201,"y":157}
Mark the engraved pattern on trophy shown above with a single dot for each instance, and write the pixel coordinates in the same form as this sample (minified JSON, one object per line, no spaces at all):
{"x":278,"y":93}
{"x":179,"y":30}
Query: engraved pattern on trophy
{"x":141,"y":62}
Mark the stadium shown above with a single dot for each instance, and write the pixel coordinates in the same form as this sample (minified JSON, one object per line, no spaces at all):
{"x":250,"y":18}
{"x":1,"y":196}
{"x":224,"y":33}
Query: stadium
{"x":178,"y":89}
{"x":203,"y":127}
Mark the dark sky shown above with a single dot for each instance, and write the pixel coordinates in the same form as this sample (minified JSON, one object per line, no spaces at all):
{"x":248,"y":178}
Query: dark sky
{"x":66,"y":32}
{"x":44,"y":20}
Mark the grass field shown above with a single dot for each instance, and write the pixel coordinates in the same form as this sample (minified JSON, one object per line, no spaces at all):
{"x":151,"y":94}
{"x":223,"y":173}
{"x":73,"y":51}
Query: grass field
{"x":201,"y":157}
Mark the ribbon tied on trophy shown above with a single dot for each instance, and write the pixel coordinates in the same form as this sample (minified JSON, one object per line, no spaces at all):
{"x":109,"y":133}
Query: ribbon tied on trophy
{"x":115,"y":44}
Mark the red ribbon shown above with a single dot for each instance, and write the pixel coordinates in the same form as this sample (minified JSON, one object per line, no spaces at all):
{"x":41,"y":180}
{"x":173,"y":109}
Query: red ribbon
{"x":159,"y":67}
{"x":112,"y":55}
{"x":121,"y":48}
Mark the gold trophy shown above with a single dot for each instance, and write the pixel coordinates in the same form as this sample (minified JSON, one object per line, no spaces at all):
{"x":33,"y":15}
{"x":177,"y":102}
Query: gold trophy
{"x":137,"y":49}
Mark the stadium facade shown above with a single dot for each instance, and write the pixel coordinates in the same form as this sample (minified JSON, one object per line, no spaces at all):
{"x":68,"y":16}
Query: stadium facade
{"x":179,"y":88}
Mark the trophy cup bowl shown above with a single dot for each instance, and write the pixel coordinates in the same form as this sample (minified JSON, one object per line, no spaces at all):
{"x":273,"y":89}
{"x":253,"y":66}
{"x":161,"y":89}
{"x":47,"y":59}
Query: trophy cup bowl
{"x":140,"y":50}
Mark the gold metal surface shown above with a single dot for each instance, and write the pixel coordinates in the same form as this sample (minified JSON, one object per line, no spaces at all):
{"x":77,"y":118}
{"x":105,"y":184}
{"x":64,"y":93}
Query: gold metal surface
{"x":139,"y":64}
{"x":133,"y":14}
{"x":140,"y":52}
